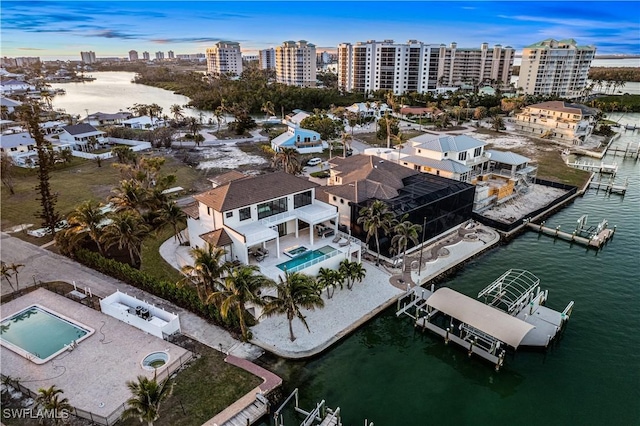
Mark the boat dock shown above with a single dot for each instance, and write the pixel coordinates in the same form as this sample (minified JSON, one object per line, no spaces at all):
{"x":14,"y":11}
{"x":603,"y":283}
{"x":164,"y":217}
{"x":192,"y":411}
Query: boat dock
{"x":590,"y":236}
{"x":629,"y":151}
{"x":511,"y":316}
{"x":594,"y":167}
{"x":610,"y":186}
{"x":321,"y":415}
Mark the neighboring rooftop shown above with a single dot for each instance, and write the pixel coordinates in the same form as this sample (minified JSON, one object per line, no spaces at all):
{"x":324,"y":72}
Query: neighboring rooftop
{"x":225,"y":178}
{"x":81,"y":129}
{"x":562,"y":106}
{"x":457,"y":143}
{"x":507,"y":157}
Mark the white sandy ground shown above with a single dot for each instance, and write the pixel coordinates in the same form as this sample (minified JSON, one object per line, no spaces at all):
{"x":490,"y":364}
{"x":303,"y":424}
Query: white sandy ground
{"x":227,"y":157}
{"x":537,"y":197}
{"x":339,"y":313}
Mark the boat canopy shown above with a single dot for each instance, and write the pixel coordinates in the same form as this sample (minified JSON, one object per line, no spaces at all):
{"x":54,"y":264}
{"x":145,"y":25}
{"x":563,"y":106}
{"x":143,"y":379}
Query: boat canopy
{"x":491,"y":321}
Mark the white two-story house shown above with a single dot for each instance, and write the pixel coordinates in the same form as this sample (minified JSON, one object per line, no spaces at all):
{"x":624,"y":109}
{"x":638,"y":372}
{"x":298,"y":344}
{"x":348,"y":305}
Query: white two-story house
{"x":81,"y":136}
{"x":258,"y":212}
{"x":458,"y":157}
{"x":558,"y":120}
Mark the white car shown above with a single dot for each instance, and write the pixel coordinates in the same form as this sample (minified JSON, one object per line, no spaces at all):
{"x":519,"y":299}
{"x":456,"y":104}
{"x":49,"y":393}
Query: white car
{"x":314,"y":161}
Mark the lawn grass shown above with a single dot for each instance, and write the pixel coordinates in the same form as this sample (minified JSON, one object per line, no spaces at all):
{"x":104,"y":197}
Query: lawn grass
{"x":75,"y":182}
{"x":203,"y":389}
{"x":152,"y":262}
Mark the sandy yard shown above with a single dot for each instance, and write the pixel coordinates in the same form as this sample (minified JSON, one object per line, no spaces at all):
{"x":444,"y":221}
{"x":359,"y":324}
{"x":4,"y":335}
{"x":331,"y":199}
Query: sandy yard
{"x":227,"y":157}
{"x":537,"y":197}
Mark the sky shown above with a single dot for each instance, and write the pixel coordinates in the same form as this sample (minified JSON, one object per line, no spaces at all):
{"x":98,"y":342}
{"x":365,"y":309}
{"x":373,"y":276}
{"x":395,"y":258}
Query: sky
{"x":62,"y":29}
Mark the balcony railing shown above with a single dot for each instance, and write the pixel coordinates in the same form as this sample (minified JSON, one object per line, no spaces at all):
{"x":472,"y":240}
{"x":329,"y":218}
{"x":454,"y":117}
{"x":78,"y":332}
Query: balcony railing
{"x":315,"y":261}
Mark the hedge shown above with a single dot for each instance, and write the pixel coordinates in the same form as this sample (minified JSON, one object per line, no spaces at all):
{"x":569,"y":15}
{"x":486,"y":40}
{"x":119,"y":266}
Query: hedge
{"x":185,"y":297}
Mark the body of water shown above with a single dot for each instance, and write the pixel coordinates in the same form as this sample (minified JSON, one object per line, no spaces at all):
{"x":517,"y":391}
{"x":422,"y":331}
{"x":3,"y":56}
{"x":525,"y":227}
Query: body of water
{"x":113,"y":91}
{"x":392,"y":375}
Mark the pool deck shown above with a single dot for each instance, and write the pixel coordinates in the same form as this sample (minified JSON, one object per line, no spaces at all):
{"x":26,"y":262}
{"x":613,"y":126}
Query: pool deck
{"x":93,"y":376}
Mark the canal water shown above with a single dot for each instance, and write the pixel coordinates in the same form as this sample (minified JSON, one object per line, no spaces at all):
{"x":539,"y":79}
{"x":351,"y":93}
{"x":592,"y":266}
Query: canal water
{"x":112,"y":91}
{"x":390,"y":374}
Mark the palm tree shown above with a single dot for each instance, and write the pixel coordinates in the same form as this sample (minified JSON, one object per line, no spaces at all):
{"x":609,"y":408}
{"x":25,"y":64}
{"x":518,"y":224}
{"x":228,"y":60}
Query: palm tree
{"x":288,"y":159}
{"x":207,"y":268}
{"x":49,"y":399}
{"x":391,"y":102}
{"x":330,"y":279}
{"x":346,"y":141}
{"x":497,"y":123}
{"x":7,"y":274}
{"x":405,"y":231}
{"x":294,"y":292}
{"x":15,"y":267}
{"x":127,"y":230}
{"x":194,"y":126}
{"x":240,"y":287}
{"x":177,"y":112}
{"x":400,"y":139}
{"x":130,"y":195}
{"x":87,"y":217}
{"x":148,"y":394}
{"x":352,"y":271}
{"x":268,"y":109}
{"x":218,"y":113}
{"x":171,"y":214}
{"x":374,"y":219}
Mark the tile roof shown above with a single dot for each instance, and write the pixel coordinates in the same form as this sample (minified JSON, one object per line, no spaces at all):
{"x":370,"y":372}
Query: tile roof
{"x":192,"y":211}
{"x":217,"y":238}
{"x":252,"y":190}
{"x":80,"y":129}
{"x":371,"y":167}
{"x":225,"y":178}
{"x":456,"y":143}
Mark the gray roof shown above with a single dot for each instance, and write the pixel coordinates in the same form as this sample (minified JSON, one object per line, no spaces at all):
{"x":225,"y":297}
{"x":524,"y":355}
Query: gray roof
{"x":507,"y":157}
{"x":9,"y":102}
{"x":491,"y":321}
{"x":16,"y":139}
{"x":80,"y":129}
{"x":456,"y":143}
{"x":446,"y":165}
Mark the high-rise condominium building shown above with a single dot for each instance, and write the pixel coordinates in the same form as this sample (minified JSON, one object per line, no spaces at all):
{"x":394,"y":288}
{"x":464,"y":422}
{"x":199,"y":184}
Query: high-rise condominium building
{"x":22,"y":61}
{"x":418,"y":67}
{"x":553,"y":67}
{"x":224,"y":58}
{"x":88,"y":57}
{"x":159,"y":56}
{"x":133,"y":55}
{"x":296,"y":63}
{"x":171,"y":54}
{"x":267,"y":59}
{"x":146,"y":56}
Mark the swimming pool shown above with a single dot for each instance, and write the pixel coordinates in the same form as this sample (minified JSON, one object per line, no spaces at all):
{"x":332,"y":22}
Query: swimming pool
{"x":39,"y":334}
{"x":294,"y":264}
{"x":296,"y":251}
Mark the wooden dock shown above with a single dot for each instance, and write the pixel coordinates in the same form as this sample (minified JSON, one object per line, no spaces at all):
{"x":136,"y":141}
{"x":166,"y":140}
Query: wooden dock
{"x":610,"y":186}
{"x":628,"y":152}
{"x":594,"y":167}
{"x":596,"y":240}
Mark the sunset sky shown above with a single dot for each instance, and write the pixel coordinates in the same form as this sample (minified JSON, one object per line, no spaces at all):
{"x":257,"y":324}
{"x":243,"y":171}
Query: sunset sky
{"x":61,"y":29}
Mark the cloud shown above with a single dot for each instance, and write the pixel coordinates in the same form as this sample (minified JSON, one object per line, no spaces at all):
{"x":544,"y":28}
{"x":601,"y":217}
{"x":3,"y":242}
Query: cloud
{"x":29,"y":48}
{"x":569,"y":22}
{"x":115,"y":34}
{"x":186,"y":40}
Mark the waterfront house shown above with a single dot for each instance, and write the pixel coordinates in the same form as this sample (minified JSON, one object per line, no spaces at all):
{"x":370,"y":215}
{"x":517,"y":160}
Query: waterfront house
{"x":251,"y":217}
{"x":559,"y":120}
{"x":8,"y":105}
{"x":357,"y":181}
{"x":143,"y":122}
{"x":15,"y":86}
{"x":458,"y":157}
{"x":294,"y":120}
{"x":368,"y":109}
{"x":81,"y":137}
{"x":106,"y":119}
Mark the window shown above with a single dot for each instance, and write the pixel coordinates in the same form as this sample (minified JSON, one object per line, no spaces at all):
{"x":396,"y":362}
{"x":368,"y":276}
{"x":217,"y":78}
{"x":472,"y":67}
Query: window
{"x":229,"y":214}
{"x":302,"y":199}
{"x":245,"y":213}
{"x":271,"y":208}
{"x":476,"y":152}
{"x":462,"y":156}
{"x":209,"y":211}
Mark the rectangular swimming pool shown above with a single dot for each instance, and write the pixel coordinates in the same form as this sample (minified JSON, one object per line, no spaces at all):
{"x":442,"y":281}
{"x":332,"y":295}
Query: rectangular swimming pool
{"x":39,"y":334}
{"x":293,"y":264}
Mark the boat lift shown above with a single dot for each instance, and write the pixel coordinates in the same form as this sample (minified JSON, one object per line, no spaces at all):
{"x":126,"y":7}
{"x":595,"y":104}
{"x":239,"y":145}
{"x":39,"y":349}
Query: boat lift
{"x":511,"y":316}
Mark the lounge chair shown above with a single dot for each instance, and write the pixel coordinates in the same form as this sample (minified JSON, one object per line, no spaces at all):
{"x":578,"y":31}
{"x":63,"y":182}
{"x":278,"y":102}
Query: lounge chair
{"x":344,"y":242}
{"x":336,"y":239}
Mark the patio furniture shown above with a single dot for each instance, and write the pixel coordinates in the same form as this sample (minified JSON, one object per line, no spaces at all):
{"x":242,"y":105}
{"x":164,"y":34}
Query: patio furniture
{"x":259,"y":257}
{"x":262,"y":252}
{"x":336,"y":239}
{"x":344,"y":242}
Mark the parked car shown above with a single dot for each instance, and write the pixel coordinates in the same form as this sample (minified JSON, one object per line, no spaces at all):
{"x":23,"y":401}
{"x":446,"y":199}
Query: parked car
{"x":314,"y":161}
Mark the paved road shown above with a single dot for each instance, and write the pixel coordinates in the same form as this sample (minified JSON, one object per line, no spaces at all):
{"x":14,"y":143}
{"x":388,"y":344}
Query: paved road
{"x":43,"y":265}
